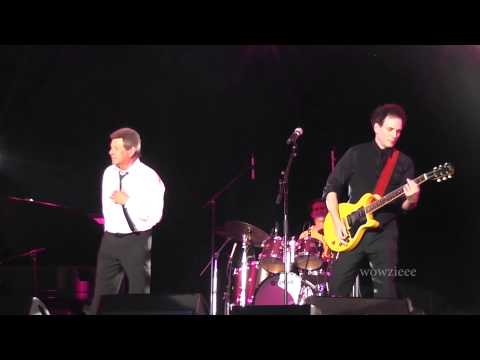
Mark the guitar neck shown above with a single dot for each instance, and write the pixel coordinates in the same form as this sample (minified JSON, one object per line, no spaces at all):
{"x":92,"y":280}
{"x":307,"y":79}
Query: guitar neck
{"x":395,"y":194}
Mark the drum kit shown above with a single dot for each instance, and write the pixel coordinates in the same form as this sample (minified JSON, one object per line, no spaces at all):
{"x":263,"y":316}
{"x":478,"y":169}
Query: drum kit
{"x":284,"y":272}
{"x":258,"y":278}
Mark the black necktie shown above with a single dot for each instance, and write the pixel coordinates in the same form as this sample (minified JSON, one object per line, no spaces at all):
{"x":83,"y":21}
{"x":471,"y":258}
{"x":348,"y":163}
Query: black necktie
{"x":125,"y":212}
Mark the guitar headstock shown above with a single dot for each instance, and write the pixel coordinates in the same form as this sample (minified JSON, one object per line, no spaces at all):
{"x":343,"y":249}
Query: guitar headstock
{"x":443,"y":172}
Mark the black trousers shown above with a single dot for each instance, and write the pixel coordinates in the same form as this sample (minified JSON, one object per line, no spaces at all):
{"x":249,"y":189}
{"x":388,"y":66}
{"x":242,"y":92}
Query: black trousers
{"x":121,"y":255}
{"x":380,"y":248}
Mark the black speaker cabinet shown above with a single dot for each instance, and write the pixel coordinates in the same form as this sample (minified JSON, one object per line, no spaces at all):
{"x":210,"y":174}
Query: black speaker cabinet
{"x":146,"y":304}
{"x":22,"y":305}
{"x":331,"y":306}
{"x":358,"y":306}
{"x":271,"y":310}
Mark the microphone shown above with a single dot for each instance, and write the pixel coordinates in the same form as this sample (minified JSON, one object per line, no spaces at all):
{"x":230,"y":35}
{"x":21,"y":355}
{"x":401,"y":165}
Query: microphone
{"x":295,"y":135}
{"x":252,"y":171}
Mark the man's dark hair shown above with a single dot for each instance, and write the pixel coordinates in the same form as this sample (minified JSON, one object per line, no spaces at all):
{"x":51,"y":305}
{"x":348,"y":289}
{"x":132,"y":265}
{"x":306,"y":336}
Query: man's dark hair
{"x":382,"y":111}
{"x":130,"y":137}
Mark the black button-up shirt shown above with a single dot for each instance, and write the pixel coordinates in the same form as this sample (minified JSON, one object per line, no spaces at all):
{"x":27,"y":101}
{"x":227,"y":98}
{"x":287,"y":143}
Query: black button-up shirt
{"x":357,"y":173}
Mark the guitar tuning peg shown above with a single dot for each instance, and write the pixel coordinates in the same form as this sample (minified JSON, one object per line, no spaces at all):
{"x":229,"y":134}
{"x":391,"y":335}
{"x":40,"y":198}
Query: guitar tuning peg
{"x":444,"y":178}
{"x":449,"y":176}
{"x":439,"y":180}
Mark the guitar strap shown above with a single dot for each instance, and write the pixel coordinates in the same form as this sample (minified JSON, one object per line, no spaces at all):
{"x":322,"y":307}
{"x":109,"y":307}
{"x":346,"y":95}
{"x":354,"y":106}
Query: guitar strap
{"x":386,"y":174}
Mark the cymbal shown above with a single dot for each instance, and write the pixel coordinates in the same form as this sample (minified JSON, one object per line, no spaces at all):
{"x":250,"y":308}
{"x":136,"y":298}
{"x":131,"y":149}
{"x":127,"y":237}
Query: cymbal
{"x":236,"y":229}
{"x":220,"y":231}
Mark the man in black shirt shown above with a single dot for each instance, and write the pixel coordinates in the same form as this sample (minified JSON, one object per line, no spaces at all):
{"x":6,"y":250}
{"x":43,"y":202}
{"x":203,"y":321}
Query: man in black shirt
{"x":357,"y":173}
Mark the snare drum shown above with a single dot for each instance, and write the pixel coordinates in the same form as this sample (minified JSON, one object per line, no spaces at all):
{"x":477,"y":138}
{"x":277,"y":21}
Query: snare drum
{"x":308,"y":253}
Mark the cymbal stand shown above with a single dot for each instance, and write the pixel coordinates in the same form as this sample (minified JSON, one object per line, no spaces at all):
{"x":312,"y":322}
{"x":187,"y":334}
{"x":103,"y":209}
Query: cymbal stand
{"x":244,"y":293}
{"x":228,"y":293}
{"x":213,"y":261}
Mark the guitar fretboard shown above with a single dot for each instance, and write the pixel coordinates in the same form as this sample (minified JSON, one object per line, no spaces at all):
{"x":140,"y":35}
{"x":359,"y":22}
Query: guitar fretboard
{"x":395,"y":194}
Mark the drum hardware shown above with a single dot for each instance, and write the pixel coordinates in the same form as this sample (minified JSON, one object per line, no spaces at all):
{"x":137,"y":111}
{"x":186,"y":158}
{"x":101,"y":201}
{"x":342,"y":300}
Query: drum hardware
{"x":243,"y":273}
{"x":213,"y":263}
{"x":249,"y":274}
{"x":227,"y":294}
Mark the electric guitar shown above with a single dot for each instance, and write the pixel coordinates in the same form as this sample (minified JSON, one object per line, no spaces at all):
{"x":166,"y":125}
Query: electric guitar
{"x":358,"y":217}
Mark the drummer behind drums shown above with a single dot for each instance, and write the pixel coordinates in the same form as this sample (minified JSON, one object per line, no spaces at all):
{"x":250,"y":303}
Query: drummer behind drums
{"x":318,"y":212}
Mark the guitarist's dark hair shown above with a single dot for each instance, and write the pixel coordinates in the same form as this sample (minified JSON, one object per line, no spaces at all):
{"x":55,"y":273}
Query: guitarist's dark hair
{"x":382,"y":111}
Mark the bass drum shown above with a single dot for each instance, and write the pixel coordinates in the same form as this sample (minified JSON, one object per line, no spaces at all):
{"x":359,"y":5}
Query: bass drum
{"x":272,"y":290}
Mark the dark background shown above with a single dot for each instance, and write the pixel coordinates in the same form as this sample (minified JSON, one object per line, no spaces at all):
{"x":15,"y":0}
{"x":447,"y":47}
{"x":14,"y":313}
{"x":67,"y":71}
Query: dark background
{"x":202,"y":110}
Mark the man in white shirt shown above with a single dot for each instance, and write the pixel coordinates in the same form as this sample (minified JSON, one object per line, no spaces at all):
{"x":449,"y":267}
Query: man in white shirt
{"x":132,"y":201}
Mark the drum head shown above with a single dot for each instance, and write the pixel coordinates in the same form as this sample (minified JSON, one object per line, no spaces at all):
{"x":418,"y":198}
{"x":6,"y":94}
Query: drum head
{"x":271,"y":291}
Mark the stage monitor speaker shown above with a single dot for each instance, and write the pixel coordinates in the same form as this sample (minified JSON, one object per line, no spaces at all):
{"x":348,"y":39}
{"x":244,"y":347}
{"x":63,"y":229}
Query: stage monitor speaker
{"x":22,"y":305}
{"x":272,"y":310}
{"x":331,"y":306}
{"x":359,"y":306}
{"x":146,"y":304}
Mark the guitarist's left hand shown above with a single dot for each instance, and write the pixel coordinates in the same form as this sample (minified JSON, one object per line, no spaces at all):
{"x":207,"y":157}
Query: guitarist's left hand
{"x":412,"y":193}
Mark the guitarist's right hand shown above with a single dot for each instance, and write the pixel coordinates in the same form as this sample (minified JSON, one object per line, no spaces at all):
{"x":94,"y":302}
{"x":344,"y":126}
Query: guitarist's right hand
{"x":332,"y":205}
{"x":341,"y":230}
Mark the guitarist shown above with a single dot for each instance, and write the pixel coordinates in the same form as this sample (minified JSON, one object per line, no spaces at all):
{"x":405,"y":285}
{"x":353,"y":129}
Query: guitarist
{"x":359,"y":171}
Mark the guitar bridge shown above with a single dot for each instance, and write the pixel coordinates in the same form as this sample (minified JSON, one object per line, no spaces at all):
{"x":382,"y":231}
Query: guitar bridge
{"x":347,"y":227}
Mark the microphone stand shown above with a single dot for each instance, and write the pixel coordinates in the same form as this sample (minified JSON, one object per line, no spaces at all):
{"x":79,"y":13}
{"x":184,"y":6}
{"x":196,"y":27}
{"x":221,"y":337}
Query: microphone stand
{"x":214,"y":255}
{"x":283,"y":193}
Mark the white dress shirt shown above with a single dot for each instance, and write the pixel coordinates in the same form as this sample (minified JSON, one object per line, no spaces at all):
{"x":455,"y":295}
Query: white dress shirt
{"x":145,"y":192}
